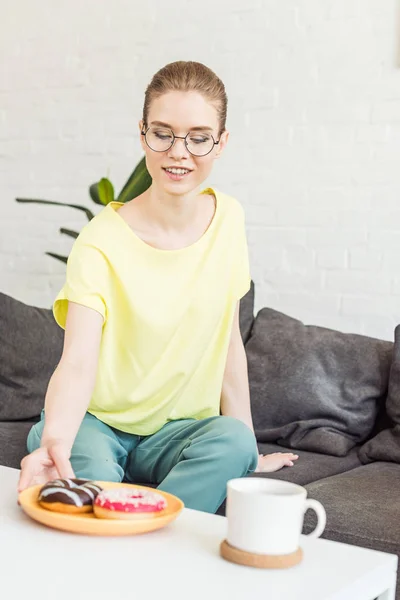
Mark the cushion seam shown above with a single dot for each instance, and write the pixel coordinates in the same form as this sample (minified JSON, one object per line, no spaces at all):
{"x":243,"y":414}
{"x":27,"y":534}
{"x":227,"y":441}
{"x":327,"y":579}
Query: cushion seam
{"x":360,"y":537}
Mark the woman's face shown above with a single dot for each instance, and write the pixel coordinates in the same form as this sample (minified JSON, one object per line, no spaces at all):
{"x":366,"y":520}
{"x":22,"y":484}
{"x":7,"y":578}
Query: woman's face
{"x":181,"y":112}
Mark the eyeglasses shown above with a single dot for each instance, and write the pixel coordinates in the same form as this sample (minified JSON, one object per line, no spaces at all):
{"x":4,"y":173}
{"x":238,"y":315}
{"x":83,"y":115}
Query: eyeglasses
{"x":161,"y":139}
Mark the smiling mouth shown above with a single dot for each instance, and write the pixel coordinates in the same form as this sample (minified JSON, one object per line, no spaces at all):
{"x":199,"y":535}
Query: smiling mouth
{"x":177,"y":174}
{"x":177,"y":170}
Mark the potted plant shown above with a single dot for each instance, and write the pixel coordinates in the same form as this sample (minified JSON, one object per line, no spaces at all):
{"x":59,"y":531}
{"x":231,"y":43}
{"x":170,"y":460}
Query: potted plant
{"x":102,"y":193}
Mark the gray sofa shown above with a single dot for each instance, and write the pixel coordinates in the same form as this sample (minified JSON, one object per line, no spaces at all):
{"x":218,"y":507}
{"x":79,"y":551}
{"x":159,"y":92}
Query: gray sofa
{"x":333,"y":397}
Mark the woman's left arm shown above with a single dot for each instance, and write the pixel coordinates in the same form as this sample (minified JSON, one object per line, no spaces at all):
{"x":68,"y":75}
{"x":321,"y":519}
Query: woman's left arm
{"x":235,"y":395}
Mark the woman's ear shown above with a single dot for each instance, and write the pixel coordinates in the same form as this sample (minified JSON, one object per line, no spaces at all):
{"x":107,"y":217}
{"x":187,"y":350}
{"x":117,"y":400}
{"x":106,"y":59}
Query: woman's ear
{"x":223,"y":140}
{"x":141,"y":128}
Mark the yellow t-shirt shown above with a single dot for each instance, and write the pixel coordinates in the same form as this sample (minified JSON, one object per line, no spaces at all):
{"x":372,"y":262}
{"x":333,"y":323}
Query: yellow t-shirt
{"x":167,"y":315}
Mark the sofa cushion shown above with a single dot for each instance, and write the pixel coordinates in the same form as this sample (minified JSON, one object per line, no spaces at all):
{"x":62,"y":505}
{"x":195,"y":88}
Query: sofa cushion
{"x":362,"y":507}
{"x":314,"y":388}
{"x":13,"y":442}
{"x":310,"y":466}
{"x":30,"y":348}
{"x":246,"y":313}
{"x":386,"y":444}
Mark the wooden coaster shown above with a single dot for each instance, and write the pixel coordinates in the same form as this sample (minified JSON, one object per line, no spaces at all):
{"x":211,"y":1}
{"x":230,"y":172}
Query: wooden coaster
{"x":261,"y":561}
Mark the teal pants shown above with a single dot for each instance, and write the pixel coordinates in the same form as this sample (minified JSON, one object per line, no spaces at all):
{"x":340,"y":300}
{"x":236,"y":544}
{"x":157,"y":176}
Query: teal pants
{"x":192,"y":459}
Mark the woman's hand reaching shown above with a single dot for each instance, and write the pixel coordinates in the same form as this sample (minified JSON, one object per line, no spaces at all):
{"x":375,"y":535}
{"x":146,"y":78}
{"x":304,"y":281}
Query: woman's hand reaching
{"x":269,"y":463}
{"x":45,"y":464}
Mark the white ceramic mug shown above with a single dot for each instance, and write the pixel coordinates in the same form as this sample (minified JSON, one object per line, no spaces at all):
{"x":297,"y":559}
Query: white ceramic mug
{"x":265,"y":516}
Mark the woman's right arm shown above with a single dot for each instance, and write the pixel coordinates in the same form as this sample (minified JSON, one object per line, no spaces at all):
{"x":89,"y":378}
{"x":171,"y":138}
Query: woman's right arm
{"x":71,"y":385}
{"x":67,"y":398}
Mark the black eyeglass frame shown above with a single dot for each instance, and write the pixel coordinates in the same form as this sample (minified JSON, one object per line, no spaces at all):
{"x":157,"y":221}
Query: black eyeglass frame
{"x":177,"y":137}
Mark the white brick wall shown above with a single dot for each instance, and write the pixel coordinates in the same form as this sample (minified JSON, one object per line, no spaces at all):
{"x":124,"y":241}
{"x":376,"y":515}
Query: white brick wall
{"x":314,"y":115}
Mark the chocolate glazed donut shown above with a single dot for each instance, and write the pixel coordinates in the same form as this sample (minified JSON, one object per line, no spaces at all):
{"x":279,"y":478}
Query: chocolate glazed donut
{"x":69,"y":495}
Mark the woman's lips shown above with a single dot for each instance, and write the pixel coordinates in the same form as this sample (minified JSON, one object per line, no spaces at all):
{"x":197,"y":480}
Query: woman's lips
{"x":174,"y":176}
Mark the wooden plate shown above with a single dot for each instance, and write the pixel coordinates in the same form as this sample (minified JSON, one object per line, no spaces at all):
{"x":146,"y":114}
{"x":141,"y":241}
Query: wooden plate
{"x":89,"y":524}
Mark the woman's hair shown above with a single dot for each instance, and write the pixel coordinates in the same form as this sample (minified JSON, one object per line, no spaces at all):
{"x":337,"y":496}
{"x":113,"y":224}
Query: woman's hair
{"x":188,"y":76}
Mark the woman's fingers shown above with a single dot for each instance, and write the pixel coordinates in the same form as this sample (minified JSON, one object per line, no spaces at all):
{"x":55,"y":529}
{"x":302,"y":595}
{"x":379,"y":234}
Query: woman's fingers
{"x":285,"y":454}
{"x":61,"y":461}
{"x":31,"y":467}
{"x":289,"y":458}
{"x":43,"y":465}
{"x":26,"y":474}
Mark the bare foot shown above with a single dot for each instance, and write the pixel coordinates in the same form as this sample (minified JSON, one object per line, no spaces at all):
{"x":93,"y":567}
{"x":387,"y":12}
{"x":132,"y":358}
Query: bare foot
{"x":269,"y":463}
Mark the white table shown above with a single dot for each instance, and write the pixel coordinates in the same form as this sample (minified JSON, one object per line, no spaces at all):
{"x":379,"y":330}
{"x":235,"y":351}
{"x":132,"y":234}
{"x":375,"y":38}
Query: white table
{"x":179,"y":562}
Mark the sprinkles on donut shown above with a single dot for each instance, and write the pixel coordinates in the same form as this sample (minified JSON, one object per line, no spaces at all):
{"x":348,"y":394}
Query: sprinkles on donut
{"x":128,"y":503}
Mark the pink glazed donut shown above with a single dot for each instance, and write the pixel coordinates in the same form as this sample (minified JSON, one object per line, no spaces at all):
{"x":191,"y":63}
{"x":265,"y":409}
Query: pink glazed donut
{"x":128,"y":503}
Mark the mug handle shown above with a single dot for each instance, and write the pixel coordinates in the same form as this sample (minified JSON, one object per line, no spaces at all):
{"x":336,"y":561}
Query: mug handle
{"x":321,"y":515}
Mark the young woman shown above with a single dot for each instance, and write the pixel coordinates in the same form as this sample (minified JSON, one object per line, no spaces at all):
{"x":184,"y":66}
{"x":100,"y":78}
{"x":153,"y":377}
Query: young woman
{"x":152,"y":384}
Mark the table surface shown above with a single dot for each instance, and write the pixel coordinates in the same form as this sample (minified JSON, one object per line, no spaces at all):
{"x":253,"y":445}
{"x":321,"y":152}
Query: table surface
{"x":180,"y":561}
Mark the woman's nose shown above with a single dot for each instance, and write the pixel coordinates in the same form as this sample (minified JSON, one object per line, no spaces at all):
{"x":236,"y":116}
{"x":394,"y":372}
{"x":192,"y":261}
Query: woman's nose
{"x":178,"y":149}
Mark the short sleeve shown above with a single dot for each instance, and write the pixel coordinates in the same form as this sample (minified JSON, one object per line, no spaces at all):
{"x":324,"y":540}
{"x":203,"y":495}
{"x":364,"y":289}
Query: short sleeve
{"x":242,"y":266}
{"x":87,"y":282}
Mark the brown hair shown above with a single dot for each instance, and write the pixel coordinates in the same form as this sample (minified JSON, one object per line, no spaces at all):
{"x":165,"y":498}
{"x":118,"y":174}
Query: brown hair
{"x":188,"y":76}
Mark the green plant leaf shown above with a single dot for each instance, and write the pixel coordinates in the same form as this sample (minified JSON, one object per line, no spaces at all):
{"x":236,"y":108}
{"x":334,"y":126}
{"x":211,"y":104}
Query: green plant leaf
{"x":69,"y":232}
{"x":87,"y":212}
{"x":94,"y":193}
{"x":106,"y":191}
{"x":102,"y":192}
{"x":63,"y":259}
{"x":138,"y":182}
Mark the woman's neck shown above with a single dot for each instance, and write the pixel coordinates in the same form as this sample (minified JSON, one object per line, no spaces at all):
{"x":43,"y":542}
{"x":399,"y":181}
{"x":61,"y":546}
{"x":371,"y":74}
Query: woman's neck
{"x":170,"y":212}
